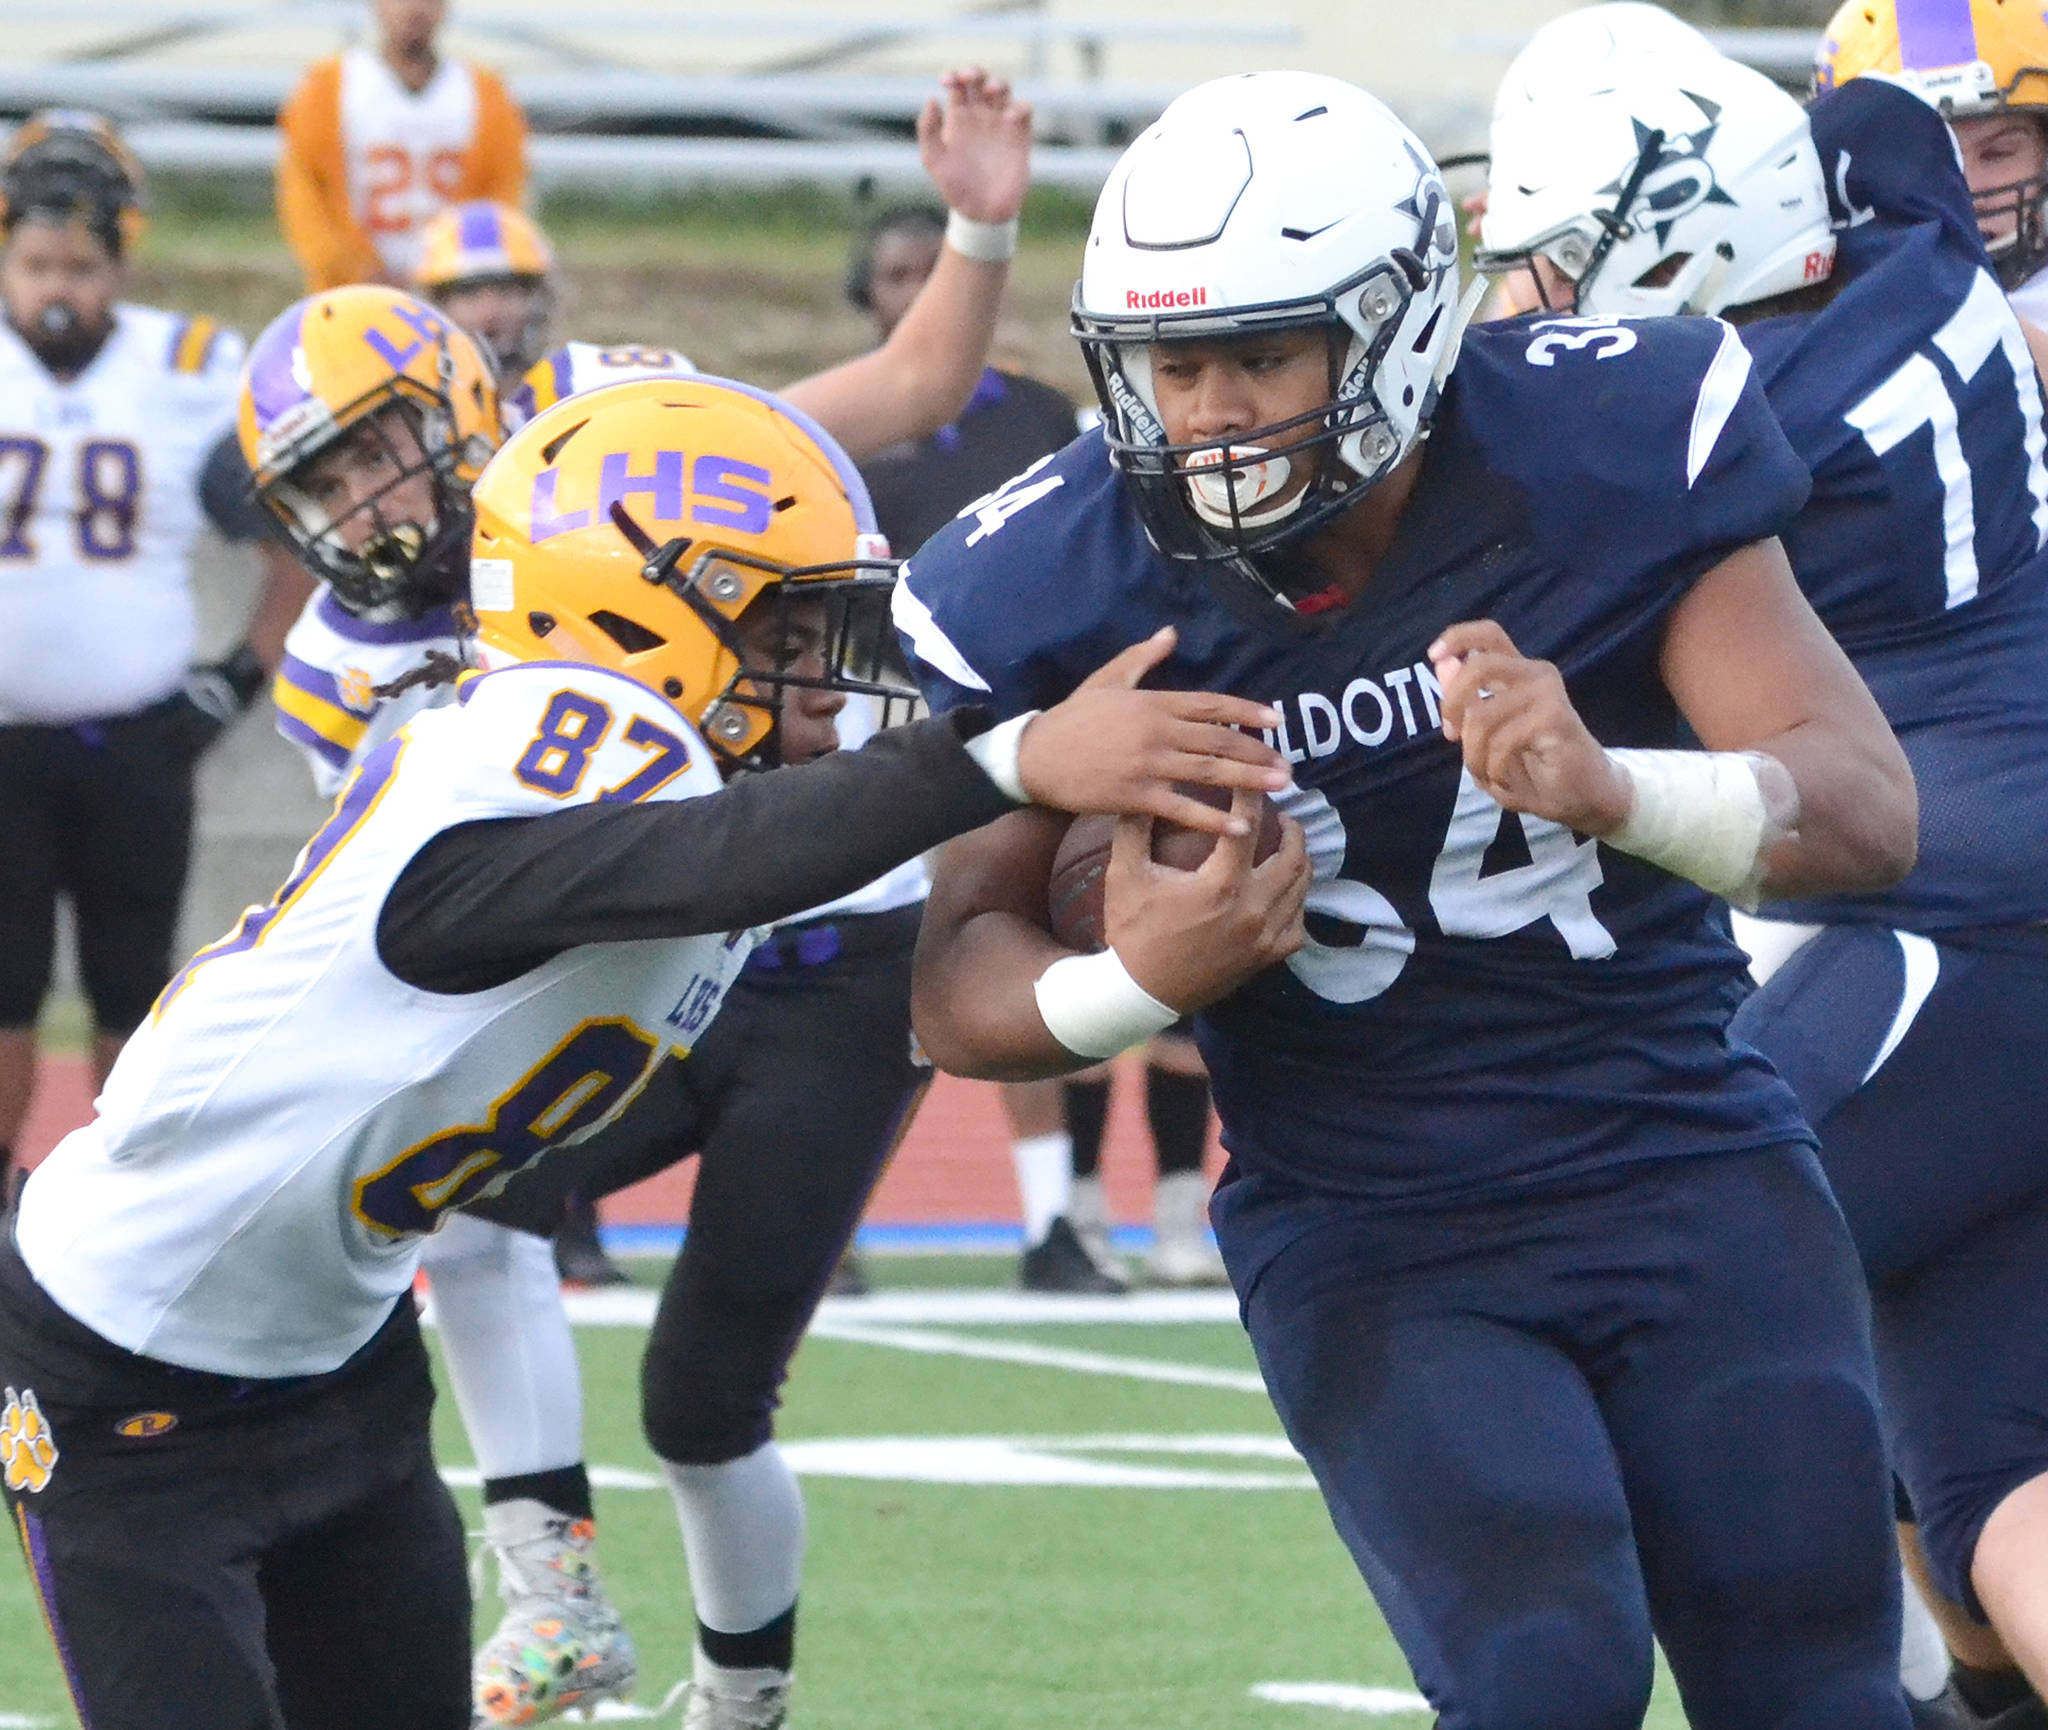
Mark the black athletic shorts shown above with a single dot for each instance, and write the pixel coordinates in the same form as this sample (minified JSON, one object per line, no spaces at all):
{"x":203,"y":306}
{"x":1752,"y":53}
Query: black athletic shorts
{"x":101,"y":812}
{"x":219,"y":1554}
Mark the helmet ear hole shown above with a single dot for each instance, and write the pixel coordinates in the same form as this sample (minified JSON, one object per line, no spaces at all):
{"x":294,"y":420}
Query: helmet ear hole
{"x":632,"y":636}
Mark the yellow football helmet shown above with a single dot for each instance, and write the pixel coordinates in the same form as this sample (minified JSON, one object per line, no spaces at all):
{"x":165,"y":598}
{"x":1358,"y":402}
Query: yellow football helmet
{"x":485,"y":245}
{"x":373,"y":365}
{"x":72,"y":161}
{"x":1969,"y":58}
{"x":632,"y":527}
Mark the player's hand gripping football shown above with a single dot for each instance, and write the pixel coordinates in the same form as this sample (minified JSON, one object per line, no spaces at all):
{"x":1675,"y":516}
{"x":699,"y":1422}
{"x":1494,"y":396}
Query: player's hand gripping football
{"x":977,"y":146}
{"x":1190,"y":937}
{"x":1113,"y":748}
{"x":1524,"y":742}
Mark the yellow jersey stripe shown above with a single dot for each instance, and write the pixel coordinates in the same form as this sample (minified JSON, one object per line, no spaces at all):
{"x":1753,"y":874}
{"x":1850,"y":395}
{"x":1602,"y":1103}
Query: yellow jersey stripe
{"x":333,"y":723}
{"x":193,"y":344}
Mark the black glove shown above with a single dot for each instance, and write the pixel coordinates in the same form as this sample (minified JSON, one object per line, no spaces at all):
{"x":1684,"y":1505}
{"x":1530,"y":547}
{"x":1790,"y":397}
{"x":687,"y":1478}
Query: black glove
{"x":216,"y":693}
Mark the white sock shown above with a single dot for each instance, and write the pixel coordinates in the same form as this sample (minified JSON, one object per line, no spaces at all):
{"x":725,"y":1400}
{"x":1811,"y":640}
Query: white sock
{"x":1045,"y":1180}
{"x":1923,"y":1654}
{"x":505,"y":1335}
{"x":517,"y":1521}
{"x":721,"y":1679}
{"x":743,"y":1537}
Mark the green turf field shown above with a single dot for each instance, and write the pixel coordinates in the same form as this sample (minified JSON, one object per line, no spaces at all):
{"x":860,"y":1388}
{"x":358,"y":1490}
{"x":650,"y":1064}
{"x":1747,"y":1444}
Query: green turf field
{"x":1181,"y":1602}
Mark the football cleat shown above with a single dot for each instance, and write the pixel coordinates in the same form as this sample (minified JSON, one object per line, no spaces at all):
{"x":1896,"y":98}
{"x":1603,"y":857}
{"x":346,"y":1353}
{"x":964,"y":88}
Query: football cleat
{"x":1088,"y":1212}
{"x":1183,"y":1253}
{"x":560,"y":1646}
{"x":712,"y":1709}
{"x":1060,"y":1262}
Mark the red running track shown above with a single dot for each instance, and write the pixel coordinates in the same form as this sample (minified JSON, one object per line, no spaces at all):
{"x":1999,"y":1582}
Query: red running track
{"x":953,"y":1166}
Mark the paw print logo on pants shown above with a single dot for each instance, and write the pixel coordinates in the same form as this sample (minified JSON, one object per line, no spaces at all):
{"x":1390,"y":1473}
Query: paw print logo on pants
{"x":28,"y":1453}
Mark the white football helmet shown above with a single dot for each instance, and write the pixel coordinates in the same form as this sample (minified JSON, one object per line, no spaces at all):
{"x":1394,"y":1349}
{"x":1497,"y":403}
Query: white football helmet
{"x":1272,"y":200}
{"x":1662,"y":179}
{"x":1583,"y":52}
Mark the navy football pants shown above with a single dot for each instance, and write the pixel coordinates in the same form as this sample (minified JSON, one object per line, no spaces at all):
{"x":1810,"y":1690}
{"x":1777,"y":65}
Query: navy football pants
{"x":1551,"y":1426}
{"x":1940,"y":1161}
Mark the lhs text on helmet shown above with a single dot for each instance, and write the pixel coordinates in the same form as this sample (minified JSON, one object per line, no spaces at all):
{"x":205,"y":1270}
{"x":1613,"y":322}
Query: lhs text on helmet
{"x":724,"y":493}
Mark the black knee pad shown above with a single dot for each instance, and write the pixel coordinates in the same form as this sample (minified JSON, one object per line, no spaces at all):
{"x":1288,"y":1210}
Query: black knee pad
{"x":711,"y":1377}
{"x":692,"y":1420}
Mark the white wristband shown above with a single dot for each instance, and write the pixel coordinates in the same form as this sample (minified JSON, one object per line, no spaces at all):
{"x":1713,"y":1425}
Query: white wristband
{"x":997,"y":751}
{"x":1708,"y":816}
{"x":1093,"y":1007}
{"x":985,"y":242}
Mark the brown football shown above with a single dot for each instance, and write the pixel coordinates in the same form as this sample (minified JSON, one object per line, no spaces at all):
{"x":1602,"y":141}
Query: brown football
{"x":1080,"y":869}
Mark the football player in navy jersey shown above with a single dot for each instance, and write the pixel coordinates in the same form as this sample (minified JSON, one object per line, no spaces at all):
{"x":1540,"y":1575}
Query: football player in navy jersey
{"x":1539,"y":1266}
{"x":1906,"y":385}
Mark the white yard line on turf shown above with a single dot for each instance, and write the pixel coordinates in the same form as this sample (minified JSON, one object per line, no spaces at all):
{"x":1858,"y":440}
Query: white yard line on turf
{"x":15,"y":1721}
{"x":633,"y":1307}
{"x":1341,"y":1697}
{"x":1068,"y":1462}
{"x":934,"y":1344}
{"x":603,"y":1477}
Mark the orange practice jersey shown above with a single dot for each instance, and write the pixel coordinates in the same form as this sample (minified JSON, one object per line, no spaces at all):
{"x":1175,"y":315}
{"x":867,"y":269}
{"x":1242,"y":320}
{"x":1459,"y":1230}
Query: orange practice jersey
{"x":367,"y":162}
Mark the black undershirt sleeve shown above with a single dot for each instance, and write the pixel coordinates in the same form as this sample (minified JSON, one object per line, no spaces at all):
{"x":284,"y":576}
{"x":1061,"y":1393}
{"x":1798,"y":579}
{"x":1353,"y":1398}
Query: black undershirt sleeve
{"x":225,"y":495}
{"x":484,"y":902}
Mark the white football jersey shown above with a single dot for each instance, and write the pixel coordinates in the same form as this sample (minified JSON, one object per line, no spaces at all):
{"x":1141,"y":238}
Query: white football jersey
{"x":252,"y":1195}
{"x":99,"y":507}
{"x":327,"y":683}
{"x":2030,"y":299}
{"x":576,"y":367}
{"x":403,"y":149}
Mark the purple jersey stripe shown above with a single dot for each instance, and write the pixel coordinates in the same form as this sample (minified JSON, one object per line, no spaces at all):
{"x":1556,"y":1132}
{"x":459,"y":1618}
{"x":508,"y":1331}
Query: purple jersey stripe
{"x":478,"y":227}
{"x":299,"y":733}
{"x":564,"y":372}
{"x":1935,"y":33}
{"x":36,"y":1547}
{"x":311,"y":679}
{"x":358,"y":799}
{"x":437,"y":622}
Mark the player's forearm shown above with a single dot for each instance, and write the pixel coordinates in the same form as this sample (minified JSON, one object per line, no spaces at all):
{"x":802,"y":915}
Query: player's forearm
{"x":973,"y":1003}
{"x":1858,"y":822}
{"x":486,"y":901}
{"x":981,"y":949}
{"x":286,"y":589}
{"x":922,"y":377}
{"x":1753,"y":670}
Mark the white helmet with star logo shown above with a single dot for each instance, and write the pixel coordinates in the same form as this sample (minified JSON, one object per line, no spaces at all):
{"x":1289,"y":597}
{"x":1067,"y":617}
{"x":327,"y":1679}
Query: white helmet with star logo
{"x":1270,"y":201}
{"x":1662,"y":178}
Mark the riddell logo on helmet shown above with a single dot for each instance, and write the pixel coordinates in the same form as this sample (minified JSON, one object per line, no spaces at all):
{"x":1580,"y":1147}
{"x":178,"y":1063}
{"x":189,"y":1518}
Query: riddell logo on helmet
{"x":1161,"y":298}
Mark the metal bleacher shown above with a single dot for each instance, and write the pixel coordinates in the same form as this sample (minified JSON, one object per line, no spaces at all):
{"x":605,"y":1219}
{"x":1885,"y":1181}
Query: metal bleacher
{"x":649,"y":93}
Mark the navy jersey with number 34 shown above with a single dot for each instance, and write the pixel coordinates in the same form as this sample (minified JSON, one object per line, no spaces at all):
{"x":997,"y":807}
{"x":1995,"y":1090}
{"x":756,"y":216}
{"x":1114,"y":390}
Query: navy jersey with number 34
{"x":1486,"y":1000}
{"x":1911,"y":397}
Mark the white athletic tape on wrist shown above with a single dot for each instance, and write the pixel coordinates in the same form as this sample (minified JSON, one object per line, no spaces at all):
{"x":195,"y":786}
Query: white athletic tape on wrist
{"x":1093,"y":1007}
{"x":1704,"y":816}
{"x":997,"y":752}
{"x":985,"y":242}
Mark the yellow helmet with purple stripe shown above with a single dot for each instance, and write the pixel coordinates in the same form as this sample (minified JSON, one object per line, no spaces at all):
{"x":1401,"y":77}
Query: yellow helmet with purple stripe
{"x":490,"y":268}
{"x":1970,"y":58}
{"x":632,"y":527}
{"x":371,"y":364}
{"x":482,"y":240}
